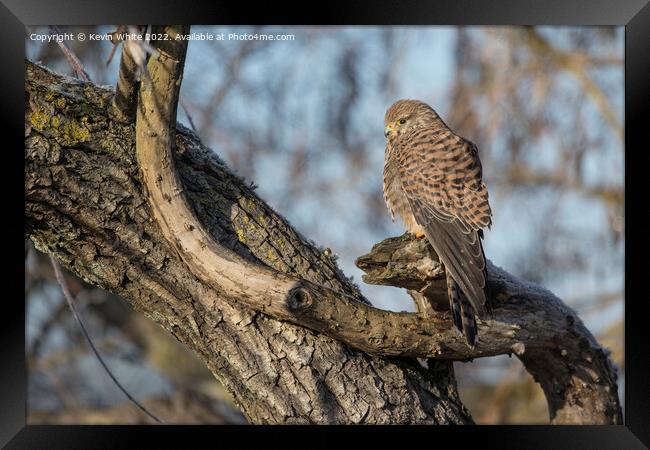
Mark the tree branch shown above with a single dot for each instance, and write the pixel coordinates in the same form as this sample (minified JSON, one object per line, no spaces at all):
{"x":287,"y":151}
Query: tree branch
{"x":530,"y":321}
{"x":71,"y":303}
{"x":575,"y":372}
{"x":84,"y":203}
{"x":124,"y":101}
{"x":273,"y":282}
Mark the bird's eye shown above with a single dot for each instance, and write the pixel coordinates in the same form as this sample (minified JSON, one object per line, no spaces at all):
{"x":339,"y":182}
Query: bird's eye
{"x":402,"y":121}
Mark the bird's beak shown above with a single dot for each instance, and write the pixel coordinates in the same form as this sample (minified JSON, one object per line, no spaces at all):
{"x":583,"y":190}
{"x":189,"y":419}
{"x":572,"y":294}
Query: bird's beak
{"x":388,"y":130}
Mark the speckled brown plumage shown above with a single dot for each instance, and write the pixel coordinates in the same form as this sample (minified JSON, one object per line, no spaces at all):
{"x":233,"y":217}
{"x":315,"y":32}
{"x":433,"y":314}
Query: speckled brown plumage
{"x":433,"y":182}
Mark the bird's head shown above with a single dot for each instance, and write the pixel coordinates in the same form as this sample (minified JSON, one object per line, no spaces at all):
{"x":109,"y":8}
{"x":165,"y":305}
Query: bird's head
{"x":404,"y":116}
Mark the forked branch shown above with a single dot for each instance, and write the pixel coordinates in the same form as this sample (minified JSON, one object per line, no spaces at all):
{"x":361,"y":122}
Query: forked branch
{"x":554,"y":345}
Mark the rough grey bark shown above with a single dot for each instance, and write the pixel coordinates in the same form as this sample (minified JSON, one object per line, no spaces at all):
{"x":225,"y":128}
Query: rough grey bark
{"x":85,"y":205}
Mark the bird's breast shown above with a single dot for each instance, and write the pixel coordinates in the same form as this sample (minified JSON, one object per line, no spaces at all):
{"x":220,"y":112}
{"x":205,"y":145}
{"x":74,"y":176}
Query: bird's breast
{"x":395,"y":197}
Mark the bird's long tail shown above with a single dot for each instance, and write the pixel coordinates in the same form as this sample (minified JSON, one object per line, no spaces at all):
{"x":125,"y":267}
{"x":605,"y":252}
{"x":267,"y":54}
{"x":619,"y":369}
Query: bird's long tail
{"x":461,"y":311}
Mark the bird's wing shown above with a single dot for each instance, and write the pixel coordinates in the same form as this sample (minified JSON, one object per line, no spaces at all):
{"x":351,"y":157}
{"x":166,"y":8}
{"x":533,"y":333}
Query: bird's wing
{"x":440,"y":174}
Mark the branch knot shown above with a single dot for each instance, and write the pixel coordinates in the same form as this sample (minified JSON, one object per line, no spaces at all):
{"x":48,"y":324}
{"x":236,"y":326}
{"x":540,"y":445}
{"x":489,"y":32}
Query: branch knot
{"x":299,"y":299}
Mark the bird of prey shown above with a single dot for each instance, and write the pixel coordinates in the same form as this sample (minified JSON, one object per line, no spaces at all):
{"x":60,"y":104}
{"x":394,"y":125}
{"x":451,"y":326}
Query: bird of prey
{"x":433,"y":181}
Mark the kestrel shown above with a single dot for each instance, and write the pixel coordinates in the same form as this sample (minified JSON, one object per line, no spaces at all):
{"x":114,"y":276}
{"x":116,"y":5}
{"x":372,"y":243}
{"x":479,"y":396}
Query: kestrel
{"x":432,"y":180}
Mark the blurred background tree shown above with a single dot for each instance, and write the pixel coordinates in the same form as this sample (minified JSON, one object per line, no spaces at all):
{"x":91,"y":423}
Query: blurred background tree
{"x":544,"y":105}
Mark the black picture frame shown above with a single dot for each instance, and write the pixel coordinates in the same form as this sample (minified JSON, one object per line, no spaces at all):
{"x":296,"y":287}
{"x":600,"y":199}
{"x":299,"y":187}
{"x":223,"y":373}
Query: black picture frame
{"x":633,"y":14}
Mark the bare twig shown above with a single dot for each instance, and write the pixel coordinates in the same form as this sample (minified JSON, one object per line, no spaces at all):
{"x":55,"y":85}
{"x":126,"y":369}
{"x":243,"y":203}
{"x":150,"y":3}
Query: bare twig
{"x":70,"y":56}
{"x":71,"y":303}
{"x":189,"y":117}
{"x":76,"y":64}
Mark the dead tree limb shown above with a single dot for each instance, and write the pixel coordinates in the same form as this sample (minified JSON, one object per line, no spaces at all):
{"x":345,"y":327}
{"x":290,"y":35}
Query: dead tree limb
{"x":574,"y":371}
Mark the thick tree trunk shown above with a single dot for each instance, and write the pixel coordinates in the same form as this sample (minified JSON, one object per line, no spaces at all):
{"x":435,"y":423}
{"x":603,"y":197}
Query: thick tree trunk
{"x":85,"y":205}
